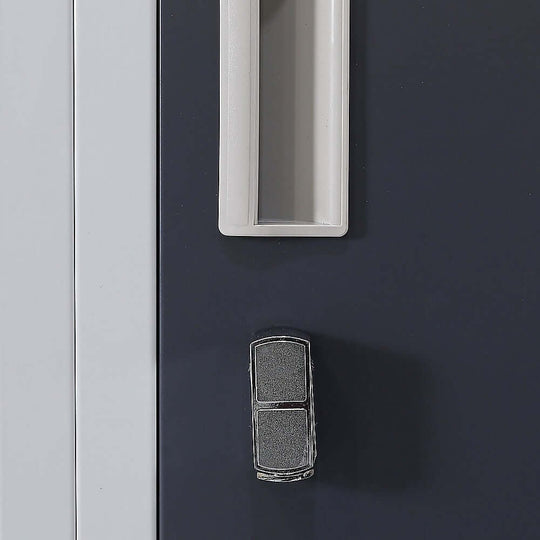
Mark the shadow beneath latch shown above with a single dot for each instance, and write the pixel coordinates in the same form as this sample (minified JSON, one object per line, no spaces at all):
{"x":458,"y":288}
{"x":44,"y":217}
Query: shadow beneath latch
{"x":372,"y":416}
{"x":372,"y":424}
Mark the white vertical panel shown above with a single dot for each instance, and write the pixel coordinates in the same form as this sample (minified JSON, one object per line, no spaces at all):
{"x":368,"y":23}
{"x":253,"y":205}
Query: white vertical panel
{"x":115,"y":179}
{"x":36,"y":271}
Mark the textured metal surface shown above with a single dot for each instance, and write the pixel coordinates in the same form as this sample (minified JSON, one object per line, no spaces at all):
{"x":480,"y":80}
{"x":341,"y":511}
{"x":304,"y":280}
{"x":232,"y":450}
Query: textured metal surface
{"x":280,"y":371}
{"x":282,"y":438}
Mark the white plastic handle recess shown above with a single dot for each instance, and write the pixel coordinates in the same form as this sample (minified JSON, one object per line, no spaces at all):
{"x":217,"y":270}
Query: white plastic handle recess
{"x":284,"y":106}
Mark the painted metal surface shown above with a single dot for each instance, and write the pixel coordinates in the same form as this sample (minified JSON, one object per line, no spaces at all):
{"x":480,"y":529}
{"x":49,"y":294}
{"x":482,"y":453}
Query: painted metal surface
{"x":115,"y":174}
{"x":37,"y":464}
{"x":423,"y":319}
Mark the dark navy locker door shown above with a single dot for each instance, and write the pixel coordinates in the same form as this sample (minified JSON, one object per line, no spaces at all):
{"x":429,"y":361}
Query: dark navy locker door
{"x":423,"y":319}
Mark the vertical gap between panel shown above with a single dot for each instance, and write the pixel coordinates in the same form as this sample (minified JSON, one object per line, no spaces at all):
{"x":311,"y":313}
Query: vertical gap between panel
{"x":74,"y":277}
{"x":158,"y":259}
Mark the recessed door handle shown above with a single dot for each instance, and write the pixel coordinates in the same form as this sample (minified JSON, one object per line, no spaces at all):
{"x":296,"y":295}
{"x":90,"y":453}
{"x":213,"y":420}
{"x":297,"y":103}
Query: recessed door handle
{"x":284,"y":117}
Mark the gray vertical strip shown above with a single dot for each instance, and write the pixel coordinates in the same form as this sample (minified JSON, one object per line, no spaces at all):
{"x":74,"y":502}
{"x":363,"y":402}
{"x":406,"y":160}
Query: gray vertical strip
{"x":36,"y":271}
{"x":115,"y":260}
{"x":74,"y":295}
